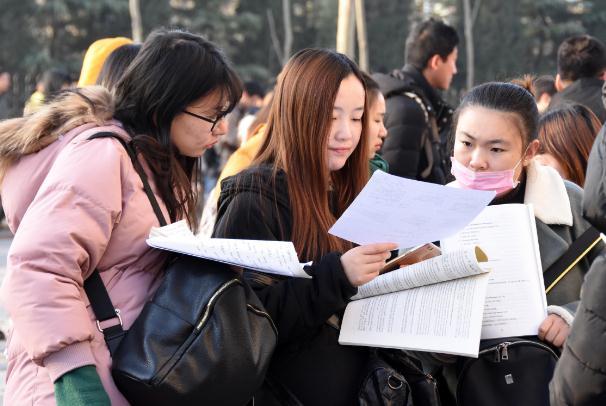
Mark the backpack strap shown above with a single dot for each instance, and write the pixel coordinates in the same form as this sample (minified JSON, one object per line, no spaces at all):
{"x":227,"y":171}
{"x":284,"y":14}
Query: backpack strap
{"x":430,"y":135}
{"x":93,"y":285}
{"x":576,"y":252}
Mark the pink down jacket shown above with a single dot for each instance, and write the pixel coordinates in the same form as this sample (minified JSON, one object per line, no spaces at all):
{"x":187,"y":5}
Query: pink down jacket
{"x":75,"y":206}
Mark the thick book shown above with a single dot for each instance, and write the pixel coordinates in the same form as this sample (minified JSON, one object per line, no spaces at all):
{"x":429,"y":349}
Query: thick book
{"x":275,"y":257}
{"x":516,"y":303}
{"x":434,"y":305}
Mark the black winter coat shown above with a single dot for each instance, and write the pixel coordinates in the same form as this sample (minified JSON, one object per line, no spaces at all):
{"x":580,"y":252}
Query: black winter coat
{"x":308,"y":360}
{"x":580,"y":375}
{"x":406,"y":125}
{"x":585,"y":91}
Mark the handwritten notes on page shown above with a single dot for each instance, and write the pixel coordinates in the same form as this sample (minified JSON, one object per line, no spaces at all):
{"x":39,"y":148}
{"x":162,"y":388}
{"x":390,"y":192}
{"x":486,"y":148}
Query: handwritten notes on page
{"x":408,"y":212}
{"x":277,"y":257}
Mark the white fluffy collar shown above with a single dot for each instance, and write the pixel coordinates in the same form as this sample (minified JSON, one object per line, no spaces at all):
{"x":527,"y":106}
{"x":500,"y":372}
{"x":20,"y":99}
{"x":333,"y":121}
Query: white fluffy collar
{"x":546,"y":191}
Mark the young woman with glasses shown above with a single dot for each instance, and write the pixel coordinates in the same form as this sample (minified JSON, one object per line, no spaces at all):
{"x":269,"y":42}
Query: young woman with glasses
{"x":76,"y":204}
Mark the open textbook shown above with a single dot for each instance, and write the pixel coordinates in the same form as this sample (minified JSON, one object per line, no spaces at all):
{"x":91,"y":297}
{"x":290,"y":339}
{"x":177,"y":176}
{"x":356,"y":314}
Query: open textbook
{"x":515,"y":298}
{"x":434,"y":305}
{"x":277,"y":257}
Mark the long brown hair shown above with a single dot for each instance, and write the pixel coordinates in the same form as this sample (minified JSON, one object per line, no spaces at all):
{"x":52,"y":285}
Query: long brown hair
{"x":567,"y":133}
{"x":297,"y":137}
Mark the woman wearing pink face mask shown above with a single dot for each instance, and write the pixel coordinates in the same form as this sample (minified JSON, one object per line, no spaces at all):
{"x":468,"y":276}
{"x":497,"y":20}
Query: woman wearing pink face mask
{"x":496,"y":130}
{"x":495,"y":140}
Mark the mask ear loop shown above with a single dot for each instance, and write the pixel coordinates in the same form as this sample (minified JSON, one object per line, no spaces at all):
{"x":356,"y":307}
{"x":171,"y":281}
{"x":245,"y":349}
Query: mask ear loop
{"x":517,"y":181}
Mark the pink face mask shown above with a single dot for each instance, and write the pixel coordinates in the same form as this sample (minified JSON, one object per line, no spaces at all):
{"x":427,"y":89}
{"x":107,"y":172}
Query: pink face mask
{"x":499,"y":181}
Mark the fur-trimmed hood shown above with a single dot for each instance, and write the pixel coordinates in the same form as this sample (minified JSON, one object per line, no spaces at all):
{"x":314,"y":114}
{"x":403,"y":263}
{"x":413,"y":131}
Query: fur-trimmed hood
{"x":29,"y":134}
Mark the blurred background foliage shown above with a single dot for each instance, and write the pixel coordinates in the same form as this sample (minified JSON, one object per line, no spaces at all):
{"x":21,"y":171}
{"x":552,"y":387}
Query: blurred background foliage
{"x":510,"y":37}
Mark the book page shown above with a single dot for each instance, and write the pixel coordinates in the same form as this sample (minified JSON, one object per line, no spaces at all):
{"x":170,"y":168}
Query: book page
{"x":407,"y":212}
{"x":444,"y":317}
{"x":515,"y":298}
{"x":277,"y":257}
{"x":449,"y":266}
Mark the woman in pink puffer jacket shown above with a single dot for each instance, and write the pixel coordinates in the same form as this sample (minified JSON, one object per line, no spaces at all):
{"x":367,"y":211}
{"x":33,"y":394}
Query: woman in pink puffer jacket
{"x":76,"y":205}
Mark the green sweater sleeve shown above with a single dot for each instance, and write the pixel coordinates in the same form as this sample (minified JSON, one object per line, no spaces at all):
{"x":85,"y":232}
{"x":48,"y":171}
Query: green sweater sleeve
{"x":81,"y":387}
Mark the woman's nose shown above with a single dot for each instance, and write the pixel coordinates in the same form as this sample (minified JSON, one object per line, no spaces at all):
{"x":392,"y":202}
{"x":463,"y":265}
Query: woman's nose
{"x":221,"y":127}
{"x":478,"y":161}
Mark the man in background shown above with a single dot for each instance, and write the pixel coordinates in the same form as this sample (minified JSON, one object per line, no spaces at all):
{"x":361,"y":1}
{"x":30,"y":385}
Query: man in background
{"x":417,"y":118}
{"x":581,"y":73}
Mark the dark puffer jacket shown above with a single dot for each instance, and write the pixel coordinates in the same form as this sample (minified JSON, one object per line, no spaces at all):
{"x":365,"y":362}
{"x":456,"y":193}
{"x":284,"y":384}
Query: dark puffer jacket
{"x":308,"y":361}
{"x":580,"y":376}
{"x":585,"y":91}
{"x":407,"y":124}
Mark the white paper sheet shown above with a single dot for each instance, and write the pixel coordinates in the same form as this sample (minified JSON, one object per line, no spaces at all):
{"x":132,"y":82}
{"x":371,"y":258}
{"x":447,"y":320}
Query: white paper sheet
{"x":408,"y":212}
{"x":277,"y":257}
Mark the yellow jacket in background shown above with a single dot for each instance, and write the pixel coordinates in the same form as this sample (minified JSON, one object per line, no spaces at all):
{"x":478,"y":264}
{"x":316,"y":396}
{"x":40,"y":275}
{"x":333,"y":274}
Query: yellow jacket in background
{"x":95,"y":57}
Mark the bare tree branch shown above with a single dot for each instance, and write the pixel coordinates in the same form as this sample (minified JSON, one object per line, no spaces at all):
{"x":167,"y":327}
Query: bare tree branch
{"x":286,"y":51}
{"x":476,"y":10}
{"x":362,"y":35}
{"x":135,"y":20}
{"x":274,"y":35}
{"x":469,"y":45}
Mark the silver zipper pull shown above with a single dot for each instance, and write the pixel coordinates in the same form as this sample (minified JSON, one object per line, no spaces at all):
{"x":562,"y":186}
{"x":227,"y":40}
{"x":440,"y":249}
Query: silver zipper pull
{"x":497,"y":355}
{"x":504,"y":354}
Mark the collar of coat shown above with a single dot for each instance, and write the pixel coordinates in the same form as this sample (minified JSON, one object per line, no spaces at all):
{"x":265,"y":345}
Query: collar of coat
{"x":546,"y":191}
{"x":71,"y":109}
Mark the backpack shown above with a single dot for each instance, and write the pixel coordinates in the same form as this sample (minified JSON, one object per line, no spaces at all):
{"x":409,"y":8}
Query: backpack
{"x":430,"y":142}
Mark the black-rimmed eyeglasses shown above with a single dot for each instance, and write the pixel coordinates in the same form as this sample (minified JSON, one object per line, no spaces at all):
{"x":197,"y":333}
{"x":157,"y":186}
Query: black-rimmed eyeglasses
{"x":208,"y":120}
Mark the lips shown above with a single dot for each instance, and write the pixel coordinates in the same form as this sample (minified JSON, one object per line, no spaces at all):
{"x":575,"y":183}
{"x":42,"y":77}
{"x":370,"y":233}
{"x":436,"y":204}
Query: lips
{"x":340,"y":151}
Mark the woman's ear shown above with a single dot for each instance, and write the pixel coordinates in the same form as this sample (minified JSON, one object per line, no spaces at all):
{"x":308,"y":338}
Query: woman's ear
{"x":531,"y":151}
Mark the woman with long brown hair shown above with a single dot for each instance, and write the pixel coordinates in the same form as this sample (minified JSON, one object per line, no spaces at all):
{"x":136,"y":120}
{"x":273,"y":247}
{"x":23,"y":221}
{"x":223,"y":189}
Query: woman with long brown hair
{"x":566,"y":135}
{"x":310,"y":167}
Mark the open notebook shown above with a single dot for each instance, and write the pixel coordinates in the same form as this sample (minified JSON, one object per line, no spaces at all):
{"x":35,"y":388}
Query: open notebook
{"x":276,"y":257}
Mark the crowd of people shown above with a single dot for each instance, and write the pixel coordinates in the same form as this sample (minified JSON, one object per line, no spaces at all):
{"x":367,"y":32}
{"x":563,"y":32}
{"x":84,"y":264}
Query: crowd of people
{"x":283,"y":164}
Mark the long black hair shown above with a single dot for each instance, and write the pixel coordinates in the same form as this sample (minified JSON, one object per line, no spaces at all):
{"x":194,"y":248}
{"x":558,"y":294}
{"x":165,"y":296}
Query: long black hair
{"x":116,"y":64}
{"x":173,"y":69}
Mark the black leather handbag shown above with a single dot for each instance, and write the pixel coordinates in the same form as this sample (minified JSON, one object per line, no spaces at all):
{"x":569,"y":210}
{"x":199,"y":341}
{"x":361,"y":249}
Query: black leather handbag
{"x":512,"y":371}
{"x":204,"y":338}
{"x":396,"y":379}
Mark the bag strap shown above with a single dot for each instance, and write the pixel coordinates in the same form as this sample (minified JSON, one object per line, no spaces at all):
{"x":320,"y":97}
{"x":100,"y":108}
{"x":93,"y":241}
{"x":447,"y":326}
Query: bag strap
{"x":576,"y":252}
{"x":132,"y":153}
{"x":93,"y":285}
{"x":430,"y":135}
{"x":104,"y":310}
